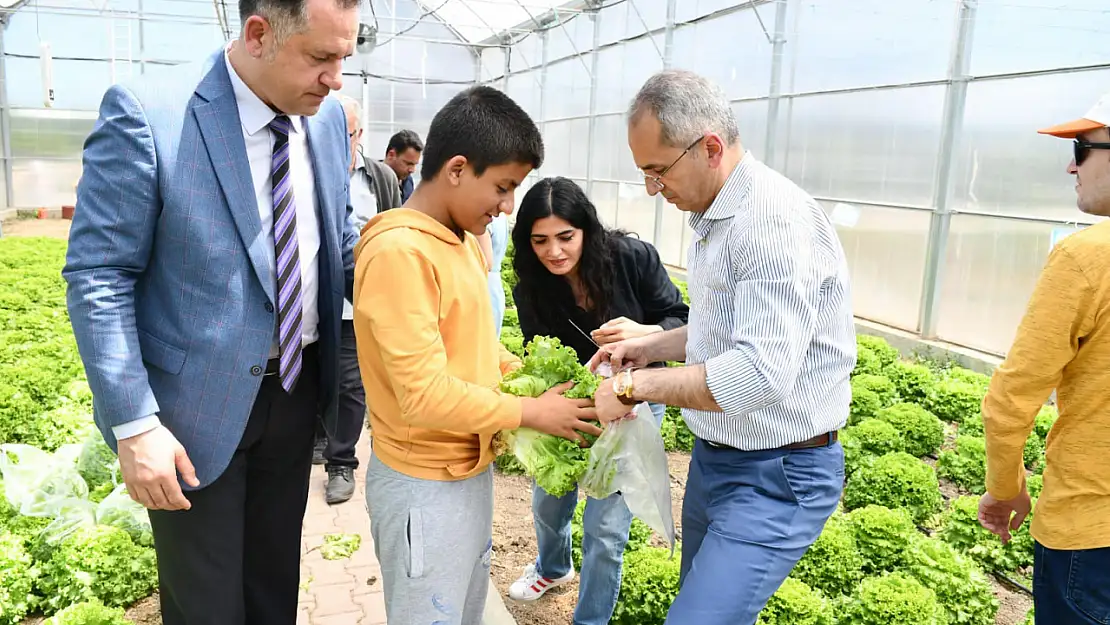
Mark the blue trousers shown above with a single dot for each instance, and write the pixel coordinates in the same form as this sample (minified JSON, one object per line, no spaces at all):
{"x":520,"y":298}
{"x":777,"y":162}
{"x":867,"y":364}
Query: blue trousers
{"x":605,"y":526}
{"x":1071,"y":587}
{"x":747,"y":518}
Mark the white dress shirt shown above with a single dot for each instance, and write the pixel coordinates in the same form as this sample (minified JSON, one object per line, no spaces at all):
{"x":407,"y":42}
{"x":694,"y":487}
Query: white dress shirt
{"x":255,"y":117}
{"x":770,"y":314}
{"x":364,"y":204}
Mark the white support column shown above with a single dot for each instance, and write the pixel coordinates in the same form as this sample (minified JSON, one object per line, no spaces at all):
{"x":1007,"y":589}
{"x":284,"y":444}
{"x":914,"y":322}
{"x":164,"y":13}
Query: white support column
{"x":595,"y":18}
{"x":955,"y":98}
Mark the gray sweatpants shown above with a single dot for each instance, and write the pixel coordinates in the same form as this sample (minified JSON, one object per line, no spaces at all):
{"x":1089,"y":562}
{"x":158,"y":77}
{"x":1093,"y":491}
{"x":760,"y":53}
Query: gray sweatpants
{"x":433,"y":541}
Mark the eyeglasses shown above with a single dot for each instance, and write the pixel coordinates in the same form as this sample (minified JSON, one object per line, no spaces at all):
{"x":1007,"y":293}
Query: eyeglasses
{"x":657,"y":178}
{"x":1083,"y":149}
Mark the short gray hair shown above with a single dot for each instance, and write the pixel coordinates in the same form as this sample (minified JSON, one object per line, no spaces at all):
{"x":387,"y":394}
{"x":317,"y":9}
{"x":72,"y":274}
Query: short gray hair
{"x":352,"y":105}
{"x":687,"y":106}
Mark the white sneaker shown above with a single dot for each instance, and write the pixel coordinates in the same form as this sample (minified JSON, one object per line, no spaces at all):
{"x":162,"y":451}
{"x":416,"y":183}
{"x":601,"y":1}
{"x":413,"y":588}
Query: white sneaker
{"x":532,"y":585}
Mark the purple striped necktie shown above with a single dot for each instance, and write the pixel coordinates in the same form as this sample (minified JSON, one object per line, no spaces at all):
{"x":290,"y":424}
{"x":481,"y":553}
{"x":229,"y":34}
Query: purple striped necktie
{"x":288,"y":257}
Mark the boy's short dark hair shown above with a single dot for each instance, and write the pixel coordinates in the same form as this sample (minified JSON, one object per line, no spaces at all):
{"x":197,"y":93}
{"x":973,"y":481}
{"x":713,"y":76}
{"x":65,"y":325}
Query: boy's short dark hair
{"x":487,"y":127}
{"x":404,"y":140}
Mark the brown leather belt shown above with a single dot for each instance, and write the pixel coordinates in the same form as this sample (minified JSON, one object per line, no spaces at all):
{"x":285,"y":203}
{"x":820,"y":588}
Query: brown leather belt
{"x":821,"y":440}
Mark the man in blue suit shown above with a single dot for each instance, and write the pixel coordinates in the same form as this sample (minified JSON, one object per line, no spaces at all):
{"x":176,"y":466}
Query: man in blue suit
{"x":208,"y":262}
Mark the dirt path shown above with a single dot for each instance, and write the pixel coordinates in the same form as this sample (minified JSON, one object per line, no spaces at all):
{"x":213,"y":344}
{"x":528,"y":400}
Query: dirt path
{"x":514,"y":544}
{"x":57,"y":228}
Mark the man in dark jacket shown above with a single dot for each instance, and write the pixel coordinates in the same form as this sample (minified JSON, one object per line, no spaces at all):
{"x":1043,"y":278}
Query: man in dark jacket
{"x":402,"y":155}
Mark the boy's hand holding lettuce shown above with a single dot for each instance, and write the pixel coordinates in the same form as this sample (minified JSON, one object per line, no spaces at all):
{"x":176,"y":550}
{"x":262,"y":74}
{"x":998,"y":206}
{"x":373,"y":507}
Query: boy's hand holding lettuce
{"x":629,"y":458}
{"x":556,"y":463}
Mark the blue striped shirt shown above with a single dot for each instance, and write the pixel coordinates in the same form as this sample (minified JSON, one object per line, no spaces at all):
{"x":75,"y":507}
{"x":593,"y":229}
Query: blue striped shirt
{"x":770,"y":314}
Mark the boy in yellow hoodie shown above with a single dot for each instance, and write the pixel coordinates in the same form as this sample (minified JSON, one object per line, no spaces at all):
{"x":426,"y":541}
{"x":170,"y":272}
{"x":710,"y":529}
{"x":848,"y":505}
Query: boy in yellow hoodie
{"x":431,"y":363}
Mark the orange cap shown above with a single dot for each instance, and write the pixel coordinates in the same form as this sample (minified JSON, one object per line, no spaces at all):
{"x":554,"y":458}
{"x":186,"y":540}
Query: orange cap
{"x":1097,"y":117}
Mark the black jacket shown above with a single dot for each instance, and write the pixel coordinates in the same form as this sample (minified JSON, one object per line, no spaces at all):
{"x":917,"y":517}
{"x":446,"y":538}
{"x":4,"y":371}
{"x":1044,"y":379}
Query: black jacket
{"x":642,"y":291}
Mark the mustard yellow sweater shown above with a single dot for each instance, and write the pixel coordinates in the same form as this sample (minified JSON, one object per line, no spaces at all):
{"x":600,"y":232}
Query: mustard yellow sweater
{"x":1063,"y":343}
{"x":427,"y":350}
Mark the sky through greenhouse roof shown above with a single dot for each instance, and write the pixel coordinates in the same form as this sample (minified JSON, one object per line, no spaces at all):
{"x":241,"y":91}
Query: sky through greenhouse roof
{"x":477,"y":20}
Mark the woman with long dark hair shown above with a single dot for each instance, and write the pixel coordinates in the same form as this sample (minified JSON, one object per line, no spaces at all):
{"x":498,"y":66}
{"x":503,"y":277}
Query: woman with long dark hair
{"x":577,"y":277}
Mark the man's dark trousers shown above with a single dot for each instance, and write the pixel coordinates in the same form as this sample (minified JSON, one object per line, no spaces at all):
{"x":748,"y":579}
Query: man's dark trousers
{"x":340,"y":451}
{"x":234,"y":557}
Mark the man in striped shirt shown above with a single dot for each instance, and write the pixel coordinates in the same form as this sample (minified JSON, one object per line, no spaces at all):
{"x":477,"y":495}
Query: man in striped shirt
{"x":769,"y":349}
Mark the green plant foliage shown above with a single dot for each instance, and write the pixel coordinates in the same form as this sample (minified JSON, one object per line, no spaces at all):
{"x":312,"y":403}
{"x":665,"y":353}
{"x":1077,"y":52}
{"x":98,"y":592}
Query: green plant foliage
{"x":887,"y":354}
{"x":676,"y":435}
{"x":40,"y":404}
{"x":960,"y":528}
{"x":896,"y":480}
{"x":649,"y":585}
{"x":1034,"y":484}
{"x":966,"y":465}
{"x":967,"y":375}
{"x":97,"y":463}
{"x":955,"y":400}
{"x":509,"y":465}
{"x":511,"y":318}
{"x":972,"y":426}
{"x":921,"y":431}
{"x":7,"y":510}
{"x":1046,"y":418}
{"x":867,"y":362}
{"x":795,"y":603}
{"x":89,"y":613}
{"x":508,"y":275}
{"x":834,"y":563}
{"x":883,"y":537}
{"x":865,"y":403}
{"x":913,"y":381}
{"x":854,"y":456}
{"x":962,"y":589}
{"x":17,"y":578}
{"x":893,"y":599}
{"x":880,"y":385}
{"x":513,"y":340}
{"x":1033,"y":453}
{"x":876,"y":437}
{"x":97,"y":563}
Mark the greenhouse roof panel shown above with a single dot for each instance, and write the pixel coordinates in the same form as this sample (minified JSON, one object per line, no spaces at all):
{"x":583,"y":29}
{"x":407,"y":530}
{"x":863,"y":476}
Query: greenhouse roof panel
{"x":478,"y":20}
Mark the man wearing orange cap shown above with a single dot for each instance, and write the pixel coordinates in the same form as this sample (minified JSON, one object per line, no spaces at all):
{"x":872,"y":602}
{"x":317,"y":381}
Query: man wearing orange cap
{"x":1063,"y":343}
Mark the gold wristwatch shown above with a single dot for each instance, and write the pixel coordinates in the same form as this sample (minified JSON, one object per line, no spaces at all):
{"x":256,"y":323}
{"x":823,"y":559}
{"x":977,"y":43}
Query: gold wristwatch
{"x":623,"y":387}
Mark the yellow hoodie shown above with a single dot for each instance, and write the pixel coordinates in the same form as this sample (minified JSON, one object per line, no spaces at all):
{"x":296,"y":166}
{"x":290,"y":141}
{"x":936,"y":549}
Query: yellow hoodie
{"x":427,"y":350}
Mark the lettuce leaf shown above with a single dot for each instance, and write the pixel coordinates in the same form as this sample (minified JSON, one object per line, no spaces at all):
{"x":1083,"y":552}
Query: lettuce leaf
{"x":554,"y":462}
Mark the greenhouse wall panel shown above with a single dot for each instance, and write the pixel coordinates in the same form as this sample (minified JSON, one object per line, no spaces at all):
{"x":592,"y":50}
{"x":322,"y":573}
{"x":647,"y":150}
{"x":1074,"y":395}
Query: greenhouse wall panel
{"x":990,"y":269}
{"x":875,"y":146}
{"x":886,"y":250}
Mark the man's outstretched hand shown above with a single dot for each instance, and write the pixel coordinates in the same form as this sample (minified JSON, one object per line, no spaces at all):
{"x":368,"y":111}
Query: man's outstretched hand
{"x":621,"y":355}
{"x":149,"y":463}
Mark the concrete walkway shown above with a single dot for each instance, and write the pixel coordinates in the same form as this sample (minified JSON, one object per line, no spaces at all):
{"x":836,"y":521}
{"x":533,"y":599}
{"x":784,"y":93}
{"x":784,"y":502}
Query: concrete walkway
{"x":349,"y":592}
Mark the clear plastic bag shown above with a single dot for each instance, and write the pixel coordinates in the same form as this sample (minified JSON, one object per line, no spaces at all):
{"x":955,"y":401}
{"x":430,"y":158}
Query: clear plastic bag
{"x":119,"y":510}
{"x":97,"y":463}
{"x":70,"y":516}
{"x":629,"y":458}
{"x":41,"y":484}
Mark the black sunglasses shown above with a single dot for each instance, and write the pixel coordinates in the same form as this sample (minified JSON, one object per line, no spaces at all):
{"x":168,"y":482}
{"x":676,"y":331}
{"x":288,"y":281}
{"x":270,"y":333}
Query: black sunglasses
{"x":1083,"y":149}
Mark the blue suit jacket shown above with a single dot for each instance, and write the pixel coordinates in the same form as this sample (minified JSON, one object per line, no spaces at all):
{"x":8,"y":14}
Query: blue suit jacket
{"x":171,"y":292}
